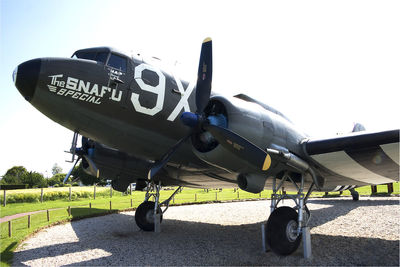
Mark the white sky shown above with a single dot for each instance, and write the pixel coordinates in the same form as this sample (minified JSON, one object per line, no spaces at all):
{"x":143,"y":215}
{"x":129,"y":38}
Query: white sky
{"x":324,"y":64}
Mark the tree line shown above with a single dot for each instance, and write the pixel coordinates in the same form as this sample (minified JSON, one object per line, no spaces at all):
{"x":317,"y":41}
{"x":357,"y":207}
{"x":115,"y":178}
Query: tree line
{"x":19,"y":175}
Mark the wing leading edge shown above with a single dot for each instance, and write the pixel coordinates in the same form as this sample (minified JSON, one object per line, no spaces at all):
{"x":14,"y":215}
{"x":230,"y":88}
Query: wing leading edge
{"x":359,"y":158}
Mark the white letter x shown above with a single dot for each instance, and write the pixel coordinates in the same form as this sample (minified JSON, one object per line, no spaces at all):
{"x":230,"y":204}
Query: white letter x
{"x":183,"y":103}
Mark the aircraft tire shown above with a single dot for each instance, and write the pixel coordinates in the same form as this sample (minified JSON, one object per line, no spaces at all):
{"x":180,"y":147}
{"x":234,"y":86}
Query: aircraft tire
{"x":144,"y":216}
{"x":279,"y":223}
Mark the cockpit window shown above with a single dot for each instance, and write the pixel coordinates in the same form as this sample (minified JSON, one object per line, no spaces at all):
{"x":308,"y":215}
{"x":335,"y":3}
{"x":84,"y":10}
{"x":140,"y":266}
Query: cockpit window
{"x":117,"y":62}
{"x":97,"y":56}
{"x":102,"y":57}
{"x":86,"y":55}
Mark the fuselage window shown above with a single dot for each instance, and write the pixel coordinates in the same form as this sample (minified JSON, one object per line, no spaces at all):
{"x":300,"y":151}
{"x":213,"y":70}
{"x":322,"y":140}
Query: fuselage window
{"x":117,"y":62}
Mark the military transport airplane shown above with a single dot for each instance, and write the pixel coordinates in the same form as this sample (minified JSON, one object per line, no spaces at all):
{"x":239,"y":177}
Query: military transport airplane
{"x":142,"y":124}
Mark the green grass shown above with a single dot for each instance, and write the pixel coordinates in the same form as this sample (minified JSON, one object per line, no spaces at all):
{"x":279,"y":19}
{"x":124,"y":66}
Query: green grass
{"x":80,"y":208}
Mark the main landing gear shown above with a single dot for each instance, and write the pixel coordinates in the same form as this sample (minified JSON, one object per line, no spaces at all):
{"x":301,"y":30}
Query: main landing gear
{"x":148,"y":215}
{"x":286,"y":226}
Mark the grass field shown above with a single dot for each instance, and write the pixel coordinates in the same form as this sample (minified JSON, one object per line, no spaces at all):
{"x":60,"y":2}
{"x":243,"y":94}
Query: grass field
{"x":101,"y":205}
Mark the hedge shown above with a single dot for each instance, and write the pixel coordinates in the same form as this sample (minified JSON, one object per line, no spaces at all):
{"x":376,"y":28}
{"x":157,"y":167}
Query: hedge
{"x":55,"y":195}
{"x":13,"y":186}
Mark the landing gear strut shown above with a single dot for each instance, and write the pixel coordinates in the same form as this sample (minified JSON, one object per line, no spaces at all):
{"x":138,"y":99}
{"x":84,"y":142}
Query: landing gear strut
{"x":148,"y":215}
{"x":286,"y":226}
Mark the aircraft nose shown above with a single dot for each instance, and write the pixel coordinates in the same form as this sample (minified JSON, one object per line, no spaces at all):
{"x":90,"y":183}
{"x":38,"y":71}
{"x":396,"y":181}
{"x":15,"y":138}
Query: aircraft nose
{"x":26,"y":76}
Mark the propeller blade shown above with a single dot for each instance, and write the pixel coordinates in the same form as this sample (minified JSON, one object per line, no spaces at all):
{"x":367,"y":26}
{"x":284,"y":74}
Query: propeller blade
{"x":203,"y":91}
{"x":92,"y":166}
{"x":204,"y":76}
{"x":159,"y":164}
{"x":84,"y":141}
{"x":240,"y":146}
{"x":70,"y":171}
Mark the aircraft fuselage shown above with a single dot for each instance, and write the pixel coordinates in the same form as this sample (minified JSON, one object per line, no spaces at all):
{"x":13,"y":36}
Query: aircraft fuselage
{"x":133,"y":106}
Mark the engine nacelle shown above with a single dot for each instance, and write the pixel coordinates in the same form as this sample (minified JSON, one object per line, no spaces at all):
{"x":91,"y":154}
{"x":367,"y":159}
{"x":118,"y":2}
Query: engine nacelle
{"x":117,"y":166}
{"x":243,"y":118}
{"x":251,"y":182}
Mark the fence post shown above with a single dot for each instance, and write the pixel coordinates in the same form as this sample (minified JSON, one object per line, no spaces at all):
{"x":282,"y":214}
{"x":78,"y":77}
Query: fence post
{"x":110,"y":205}
{"x":9,"y":229}
{"x":41,"y":195}
{"x":48,"y":215}
{"x":373,"y":189}
{"x":90,"y":205}
{"x":4,"y":198}
{"x":216,"y":196}
{"x":94,"y":193}
{"x":29,"y":221}
{"x":390,"y":188}
{"x":238,"y":194}
{"x":195,"y":197}
{"x":110,"y":191}
{"x":131,"y":202}
{"x":70,"y":193}
{"x":130,"y":188}
{"x":69,"y":210}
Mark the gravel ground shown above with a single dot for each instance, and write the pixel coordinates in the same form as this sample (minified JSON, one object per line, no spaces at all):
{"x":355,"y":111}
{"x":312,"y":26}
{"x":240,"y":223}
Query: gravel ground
{"x":343,"y":233}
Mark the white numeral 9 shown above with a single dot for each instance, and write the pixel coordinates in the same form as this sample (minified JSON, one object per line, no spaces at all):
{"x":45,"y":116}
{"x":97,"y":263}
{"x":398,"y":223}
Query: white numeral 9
{"x":159,"y":90}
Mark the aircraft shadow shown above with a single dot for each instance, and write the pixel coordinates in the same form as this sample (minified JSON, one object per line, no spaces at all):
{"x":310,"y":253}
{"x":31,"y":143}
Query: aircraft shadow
{"x":195,"y":243}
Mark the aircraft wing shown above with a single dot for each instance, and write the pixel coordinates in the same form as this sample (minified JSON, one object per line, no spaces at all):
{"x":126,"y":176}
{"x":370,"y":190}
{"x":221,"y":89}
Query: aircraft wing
{"x":358,"y":158}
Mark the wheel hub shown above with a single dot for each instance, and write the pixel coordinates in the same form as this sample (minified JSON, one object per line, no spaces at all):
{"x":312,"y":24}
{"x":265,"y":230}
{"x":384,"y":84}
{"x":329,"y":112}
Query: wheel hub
{"x":150,"y":216}
{"x":291,"y":231}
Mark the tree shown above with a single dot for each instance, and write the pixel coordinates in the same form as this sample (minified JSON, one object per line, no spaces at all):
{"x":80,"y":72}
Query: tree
{"x":14,"y":175}
{"x":34,"y":179}
{"x":56,"y":169}
{"x":57,"y":179}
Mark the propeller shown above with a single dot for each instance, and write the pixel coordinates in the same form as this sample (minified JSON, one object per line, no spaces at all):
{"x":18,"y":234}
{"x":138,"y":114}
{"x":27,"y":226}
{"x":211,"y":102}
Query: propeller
{"x":84,"y":153}
{"x":203,"y":91}
{"x":198,"y":121}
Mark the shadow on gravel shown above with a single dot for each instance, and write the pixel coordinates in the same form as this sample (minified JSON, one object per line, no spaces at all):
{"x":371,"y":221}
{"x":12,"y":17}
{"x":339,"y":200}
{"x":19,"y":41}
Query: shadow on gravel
{"x":193,"y":243}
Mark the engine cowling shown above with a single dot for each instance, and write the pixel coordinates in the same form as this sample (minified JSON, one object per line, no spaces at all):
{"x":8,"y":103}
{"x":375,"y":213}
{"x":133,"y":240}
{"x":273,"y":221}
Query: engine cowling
{"x":237,"y":116}
{"x":251,"y":182}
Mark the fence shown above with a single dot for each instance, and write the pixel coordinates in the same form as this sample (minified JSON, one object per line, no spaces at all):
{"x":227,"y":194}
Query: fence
{"x":45,"y":217}
{"x":34,"y":220}
{"x":45,"y":194}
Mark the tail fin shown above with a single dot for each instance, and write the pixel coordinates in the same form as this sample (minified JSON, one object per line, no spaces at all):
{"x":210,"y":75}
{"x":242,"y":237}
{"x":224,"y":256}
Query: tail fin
{"x":358,"y":127}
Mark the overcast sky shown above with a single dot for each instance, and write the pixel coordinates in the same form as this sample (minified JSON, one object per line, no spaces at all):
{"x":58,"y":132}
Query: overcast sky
{"x":324,"y":64}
